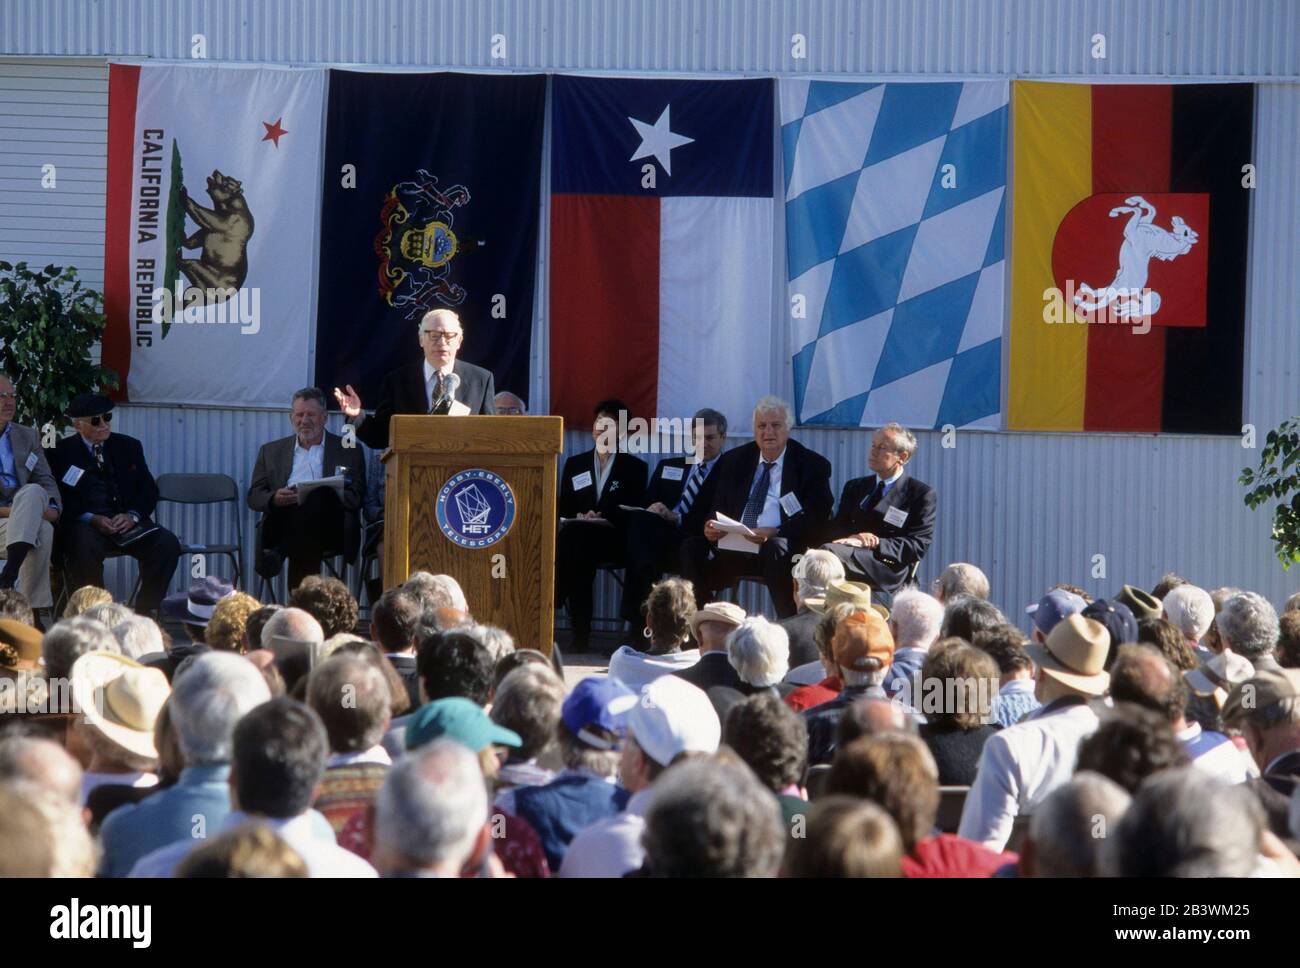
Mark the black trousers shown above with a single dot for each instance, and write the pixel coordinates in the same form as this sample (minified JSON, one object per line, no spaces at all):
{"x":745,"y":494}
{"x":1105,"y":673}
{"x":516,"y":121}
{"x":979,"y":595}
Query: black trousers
{"x":712,"y":574}
{"x":579,"y":548}
{"x":861,"y":565}
{"x":305,"y":533}
{"x":85,"y":548}
{"x":653,"y":550}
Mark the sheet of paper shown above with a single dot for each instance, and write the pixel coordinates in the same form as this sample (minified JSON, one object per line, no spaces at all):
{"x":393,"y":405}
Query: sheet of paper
{"x":565,"y":522}
{"x":458,"y":409}
{"x":734,"y":538}
{"x":305,"y":488}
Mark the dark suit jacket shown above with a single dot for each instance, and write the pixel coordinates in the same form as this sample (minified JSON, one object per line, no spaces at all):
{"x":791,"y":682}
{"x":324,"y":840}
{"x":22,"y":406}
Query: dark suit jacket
{"x":900,"y":545}
{"x":804,"y":473}
{"x":126,"y":469}
{"x":662,"y":489}
{"x":713,"y":669}
{"x":404,"y":391}
{"x":803,"y":647}
{"x":275,"y":464}
{"x":626,"y":485}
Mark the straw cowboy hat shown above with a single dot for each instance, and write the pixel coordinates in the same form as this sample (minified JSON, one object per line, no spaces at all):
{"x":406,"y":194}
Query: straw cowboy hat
{"x":1075,"y":654}
{"x":121,"y":699}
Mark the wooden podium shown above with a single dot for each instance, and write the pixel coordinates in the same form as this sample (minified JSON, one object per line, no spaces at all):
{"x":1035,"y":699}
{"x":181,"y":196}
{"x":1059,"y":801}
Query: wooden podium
{"x":509,"y":582}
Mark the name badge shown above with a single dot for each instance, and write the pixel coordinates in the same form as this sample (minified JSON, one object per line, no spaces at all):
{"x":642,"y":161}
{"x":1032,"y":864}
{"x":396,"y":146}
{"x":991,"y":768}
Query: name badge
{"x":896,"y":517}
{"x":672,"y":473}
{"x":30,"y":462}
{"x":790,"y":504}
{"x":579,"y":481}
{"x":72,"y":476}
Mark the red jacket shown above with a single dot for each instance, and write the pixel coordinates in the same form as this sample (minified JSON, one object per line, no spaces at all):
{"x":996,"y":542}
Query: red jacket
{"x":948,"y":855}
{"x":805,"y":697}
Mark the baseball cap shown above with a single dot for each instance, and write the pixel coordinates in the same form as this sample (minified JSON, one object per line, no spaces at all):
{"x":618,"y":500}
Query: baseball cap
{"x":861,"y":636}
{"x":1116,"y":617}
{"x":602,"y":702}
{"x":673,"y":717}
{"x":460,"y":719}
{"x":1054,"y":606}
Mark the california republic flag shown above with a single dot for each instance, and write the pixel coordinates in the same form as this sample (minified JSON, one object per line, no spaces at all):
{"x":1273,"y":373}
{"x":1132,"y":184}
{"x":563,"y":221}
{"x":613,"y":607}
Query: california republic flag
{"x":212,"y":214}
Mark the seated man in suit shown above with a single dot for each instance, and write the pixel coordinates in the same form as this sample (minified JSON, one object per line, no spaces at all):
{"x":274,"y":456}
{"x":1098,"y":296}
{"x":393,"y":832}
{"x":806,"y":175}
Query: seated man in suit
{"x":109,"y":498}
{"x":654,"y":540}
{"x":592,"y":486}
{"x":777,"y":487}
{"x":29,"y":504}
{"x":439,"y":384}
{"x":325,"y":521}
{"x":885,"y":521}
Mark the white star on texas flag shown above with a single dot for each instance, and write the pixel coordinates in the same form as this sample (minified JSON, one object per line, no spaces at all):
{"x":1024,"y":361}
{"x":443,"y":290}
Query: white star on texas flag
{"x":658,"y":139}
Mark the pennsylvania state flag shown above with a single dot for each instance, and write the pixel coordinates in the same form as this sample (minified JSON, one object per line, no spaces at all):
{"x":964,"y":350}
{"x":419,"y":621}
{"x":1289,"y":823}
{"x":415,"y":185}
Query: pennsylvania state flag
{"x":430,"y":200}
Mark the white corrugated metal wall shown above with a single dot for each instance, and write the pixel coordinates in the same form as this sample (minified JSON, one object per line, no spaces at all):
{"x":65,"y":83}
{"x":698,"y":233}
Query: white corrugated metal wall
{"x":1031,"y":509}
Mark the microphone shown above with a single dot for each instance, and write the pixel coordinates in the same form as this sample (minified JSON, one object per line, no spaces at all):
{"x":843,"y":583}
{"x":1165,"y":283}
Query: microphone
{"x":452,"y":384}
{"x":442,"y":403}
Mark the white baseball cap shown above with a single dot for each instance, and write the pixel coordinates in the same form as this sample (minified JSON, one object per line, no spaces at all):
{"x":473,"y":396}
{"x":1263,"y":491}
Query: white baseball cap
{"x":673,"y":717}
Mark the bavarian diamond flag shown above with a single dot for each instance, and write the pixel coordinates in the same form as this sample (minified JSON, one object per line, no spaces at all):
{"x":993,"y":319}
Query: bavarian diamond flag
{"x":212,"y":204}
{"x":894,"y":202}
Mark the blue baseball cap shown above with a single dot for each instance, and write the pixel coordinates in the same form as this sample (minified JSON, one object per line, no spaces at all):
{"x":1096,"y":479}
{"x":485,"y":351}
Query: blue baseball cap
{"x":1056,"y":605}
{"x":1118,"y":619}
{"x":599,"y":701}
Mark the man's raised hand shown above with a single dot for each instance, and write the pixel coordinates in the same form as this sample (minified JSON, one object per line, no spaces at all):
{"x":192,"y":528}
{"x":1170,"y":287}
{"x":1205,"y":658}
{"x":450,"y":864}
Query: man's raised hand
{"x":349,"y":402}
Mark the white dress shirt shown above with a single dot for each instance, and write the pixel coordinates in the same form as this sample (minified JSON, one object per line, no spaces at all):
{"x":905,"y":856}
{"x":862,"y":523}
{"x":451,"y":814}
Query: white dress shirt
{"x":611,"y":847}
{"x":308,"y":462}
{"x":1019,"y":767}
{"x":770,"y":516}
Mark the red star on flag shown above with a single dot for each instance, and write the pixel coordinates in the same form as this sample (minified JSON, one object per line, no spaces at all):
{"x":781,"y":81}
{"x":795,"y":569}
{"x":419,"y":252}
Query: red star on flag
{"x":273,"y":132}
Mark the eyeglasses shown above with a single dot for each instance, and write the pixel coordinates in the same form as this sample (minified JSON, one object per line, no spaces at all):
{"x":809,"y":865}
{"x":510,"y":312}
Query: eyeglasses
{"x":440,"y":337}
{"x":510,"y":412}
{"x":876,"y":448}
{"x":103,"y":419}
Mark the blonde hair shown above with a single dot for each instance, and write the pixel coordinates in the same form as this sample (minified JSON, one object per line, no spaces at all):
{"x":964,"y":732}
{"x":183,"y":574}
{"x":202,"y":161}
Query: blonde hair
{"x":87,"y":596}
{"x":252,"y":850}
{"x":225,"y":629}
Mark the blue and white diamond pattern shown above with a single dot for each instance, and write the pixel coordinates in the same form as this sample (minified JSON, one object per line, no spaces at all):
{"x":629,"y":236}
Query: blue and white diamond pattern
{"x":896,"y":278}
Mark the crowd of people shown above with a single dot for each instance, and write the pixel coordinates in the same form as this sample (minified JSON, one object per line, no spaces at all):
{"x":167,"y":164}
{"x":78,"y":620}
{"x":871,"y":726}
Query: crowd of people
{"x":1152,"y":733}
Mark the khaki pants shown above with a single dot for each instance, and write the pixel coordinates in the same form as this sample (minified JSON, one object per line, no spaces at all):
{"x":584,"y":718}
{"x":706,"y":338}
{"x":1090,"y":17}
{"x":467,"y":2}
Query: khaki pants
{"x":25,"y":523}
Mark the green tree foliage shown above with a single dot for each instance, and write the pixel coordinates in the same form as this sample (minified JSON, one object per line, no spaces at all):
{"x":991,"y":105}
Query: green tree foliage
{"x":1278,"y":479}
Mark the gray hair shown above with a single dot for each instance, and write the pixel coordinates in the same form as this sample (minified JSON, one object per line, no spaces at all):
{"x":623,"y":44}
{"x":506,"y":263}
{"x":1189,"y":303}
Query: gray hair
{"x":959,"y":578}
{"x":770,"y":402}
{"x":110,"y":613}
{"x":1184,"y":822}
{"x":904,"y":439}
{"x":436,"y":591}
{"x":42,"y":763}
{"x":711,"y":817}
{"x":1248,"y":625}
{"x":138,"y":636}
{"x":432,"y":805}
{"x":529,"y":701}
{"x":759,"y":651}
{"x":1284,"y":712}
{"x":438,"y":314}
{"x":815,"y":570}
{"x":497,"y":641}
{"x":712,"y":418}
{"x":1190,"y":609}
{"x":1292,"y":603}
{"x":1070,"y":827}
{"x":310,"y":393}
{"x":915,"y":619}
{"x":295,"y":624}
{"x":855,"y":677}
{"x":208,"y":698}
{"x":69,"y":639}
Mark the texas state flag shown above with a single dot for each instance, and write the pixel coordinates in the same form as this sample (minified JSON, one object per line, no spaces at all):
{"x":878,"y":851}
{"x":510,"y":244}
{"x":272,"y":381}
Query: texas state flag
{"x":661,"y":245}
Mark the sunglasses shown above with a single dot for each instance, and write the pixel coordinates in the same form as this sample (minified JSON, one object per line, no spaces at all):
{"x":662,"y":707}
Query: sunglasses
{"x":103,"y":419}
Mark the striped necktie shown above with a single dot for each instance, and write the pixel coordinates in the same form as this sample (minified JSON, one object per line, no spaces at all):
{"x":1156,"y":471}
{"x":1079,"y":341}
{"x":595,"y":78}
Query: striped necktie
{"x":758,"y":496}
{"x":693,"y":482}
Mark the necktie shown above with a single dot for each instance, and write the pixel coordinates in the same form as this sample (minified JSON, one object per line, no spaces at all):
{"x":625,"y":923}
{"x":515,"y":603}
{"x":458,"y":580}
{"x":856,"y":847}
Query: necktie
{"x":758,"y":496}
{"x":99,"y":456}
{"x":437,"y":393}
{"x":692,"y":487}
{"x":876,"y":494}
